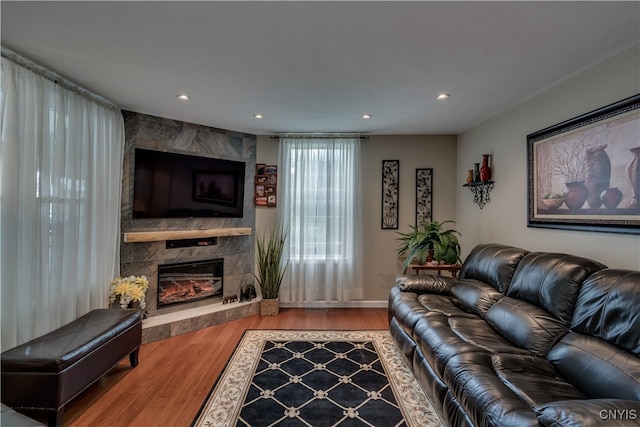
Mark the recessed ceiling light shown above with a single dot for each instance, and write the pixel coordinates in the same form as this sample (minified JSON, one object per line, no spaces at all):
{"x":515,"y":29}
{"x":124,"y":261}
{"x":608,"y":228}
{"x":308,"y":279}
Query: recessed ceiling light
{"x":442,"y":96}
{"x":258,"y":116}
{"x":183,"y":97}
{"x":366,"y":116}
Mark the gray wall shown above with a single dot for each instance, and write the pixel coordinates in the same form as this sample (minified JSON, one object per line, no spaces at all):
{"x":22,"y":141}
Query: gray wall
{"x":437,"y":152}
{"x":143,"y":258}
{"x":504,"y":219}
{"x":420,"y":151}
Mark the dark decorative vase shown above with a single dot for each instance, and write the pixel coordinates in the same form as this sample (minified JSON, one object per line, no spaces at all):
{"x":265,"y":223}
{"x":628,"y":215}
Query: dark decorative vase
{"x":476,"y":172}
{"x":575,"y":195}
{"x":598,"y":174}
{"x":611,"y":198}
{"x":485,"y":170}
{"x":633,"y":171}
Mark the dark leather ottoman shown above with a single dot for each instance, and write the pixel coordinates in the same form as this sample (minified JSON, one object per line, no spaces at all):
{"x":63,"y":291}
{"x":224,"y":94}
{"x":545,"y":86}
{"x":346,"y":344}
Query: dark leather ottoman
{"x":49,"y":371}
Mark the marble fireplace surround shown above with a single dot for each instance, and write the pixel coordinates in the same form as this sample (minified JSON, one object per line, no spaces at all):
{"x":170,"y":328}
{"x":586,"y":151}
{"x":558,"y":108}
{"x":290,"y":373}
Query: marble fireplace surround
{"x":143,"y":243}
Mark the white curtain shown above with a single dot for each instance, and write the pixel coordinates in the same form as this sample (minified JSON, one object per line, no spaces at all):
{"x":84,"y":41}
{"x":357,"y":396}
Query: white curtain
{"x":321,"y":206}
{"x":61,"y":179}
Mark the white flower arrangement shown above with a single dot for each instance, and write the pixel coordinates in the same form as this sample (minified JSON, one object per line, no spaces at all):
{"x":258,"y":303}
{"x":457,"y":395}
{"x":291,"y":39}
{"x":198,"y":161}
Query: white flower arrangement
{"x":129,"y":289}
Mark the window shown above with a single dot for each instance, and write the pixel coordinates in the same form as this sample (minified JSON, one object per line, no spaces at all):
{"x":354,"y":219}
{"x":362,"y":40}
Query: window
{"x":315,"y":212}
{"x":60,"y":182}
{"x":320,"y":203}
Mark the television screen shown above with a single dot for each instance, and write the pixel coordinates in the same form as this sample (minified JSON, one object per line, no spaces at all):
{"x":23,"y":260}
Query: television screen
{"x":171,"y":185}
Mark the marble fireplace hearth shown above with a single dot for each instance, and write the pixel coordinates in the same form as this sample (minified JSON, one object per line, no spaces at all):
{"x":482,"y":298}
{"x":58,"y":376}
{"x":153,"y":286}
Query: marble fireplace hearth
{"x":192,"y":319}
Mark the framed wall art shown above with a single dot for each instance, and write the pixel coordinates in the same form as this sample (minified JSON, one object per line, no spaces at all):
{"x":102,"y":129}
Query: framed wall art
{"x":265,"y":185}
{"x":584,"y":174}
{"x":390,"y":188}
{"x":424,"y":200}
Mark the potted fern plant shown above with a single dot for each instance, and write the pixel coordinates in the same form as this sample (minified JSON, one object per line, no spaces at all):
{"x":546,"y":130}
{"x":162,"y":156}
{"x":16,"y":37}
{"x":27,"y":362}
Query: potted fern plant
{"x":447,"y":249}
{"x":426,"y":242}
{"x":271,"y":268}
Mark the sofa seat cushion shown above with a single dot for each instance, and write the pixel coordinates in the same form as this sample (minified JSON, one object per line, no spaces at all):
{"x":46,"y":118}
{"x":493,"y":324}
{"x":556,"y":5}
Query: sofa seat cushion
{"x":533,"y":379}
{"x":475,"y":296}
{"x":593,"y":412}
{"x":441,"y":338}
{"x":406,"y":309}
{"x":526,"y":325}
{"x":443,"y":304}
{"x":438,"y":343}
{"x":66,"y":345}
{"x":480,"y":334}
{"x":598,"y":368}
{"x":409,"y":307}
{"x":487,"y":400}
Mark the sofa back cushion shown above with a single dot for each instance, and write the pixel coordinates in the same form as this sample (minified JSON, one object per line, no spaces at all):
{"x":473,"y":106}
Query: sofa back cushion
{"x":608,"y":308}
{"x":539,"y":304}
{"x":601,"y":354}
{"x":525,"y":325}
{"x":493,"y":264}
{"x":552,"y":281}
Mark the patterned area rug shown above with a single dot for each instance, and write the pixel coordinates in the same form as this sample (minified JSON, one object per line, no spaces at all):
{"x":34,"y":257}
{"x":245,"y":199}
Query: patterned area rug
{"x":316,"y":379}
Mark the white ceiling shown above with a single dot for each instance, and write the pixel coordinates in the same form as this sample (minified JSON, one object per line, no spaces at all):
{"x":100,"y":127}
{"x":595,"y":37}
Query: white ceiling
{"x":318,"y":66}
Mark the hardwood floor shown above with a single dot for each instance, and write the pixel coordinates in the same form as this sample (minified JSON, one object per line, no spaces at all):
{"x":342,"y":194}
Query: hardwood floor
{"x":175,"y":375}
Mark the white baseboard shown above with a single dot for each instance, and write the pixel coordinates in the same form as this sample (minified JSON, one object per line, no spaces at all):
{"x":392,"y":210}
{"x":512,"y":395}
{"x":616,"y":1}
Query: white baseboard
{"x":335,"y":304}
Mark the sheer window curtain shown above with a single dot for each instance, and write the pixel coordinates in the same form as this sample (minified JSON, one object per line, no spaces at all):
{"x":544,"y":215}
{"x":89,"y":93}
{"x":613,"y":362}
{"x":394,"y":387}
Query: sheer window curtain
{"x":60,"y":183}
{"x":321,"y":205}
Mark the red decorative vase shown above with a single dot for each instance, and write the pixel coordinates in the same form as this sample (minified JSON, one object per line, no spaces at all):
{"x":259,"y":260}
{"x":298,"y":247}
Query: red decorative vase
{"x":611,"y":198}
{"x":485,"y":170}
{"x":575,"y":194}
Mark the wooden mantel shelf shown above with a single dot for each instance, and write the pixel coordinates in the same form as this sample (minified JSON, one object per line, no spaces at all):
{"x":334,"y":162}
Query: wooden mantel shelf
{"x":158,"y":236}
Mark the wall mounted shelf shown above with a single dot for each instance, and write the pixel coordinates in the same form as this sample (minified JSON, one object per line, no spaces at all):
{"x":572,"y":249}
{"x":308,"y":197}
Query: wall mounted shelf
{"x":158,"y":236}
{"x":480,"y":192}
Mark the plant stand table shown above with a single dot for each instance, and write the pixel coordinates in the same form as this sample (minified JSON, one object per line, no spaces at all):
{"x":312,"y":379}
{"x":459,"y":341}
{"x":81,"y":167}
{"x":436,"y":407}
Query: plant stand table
{"x":451,"y":268}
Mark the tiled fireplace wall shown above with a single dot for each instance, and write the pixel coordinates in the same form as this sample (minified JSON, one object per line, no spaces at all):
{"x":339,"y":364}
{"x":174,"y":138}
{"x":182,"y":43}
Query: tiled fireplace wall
{"x":161,"y":134}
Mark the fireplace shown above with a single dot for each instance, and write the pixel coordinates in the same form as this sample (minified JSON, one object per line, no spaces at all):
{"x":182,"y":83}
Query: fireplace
{"x":189,"y":281}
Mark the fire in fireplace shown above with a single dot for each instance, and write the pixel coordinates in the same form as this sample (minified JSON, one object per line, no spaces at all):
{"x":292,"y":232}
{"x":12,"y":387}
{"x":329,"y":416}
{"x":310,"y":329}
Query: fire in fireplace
{"x":189,"y":281}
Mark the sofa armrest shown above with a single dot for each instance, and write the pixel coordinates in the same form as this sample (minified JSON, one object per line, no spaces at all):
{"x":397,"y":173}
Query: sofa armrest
{"x":593,"y":412}
{"x":428,"y":283}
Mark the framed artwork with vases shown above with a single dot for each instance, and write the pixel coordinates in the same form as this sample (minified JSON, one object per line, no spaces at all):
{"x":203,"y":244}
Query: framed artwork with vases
{"x":584,"y":173}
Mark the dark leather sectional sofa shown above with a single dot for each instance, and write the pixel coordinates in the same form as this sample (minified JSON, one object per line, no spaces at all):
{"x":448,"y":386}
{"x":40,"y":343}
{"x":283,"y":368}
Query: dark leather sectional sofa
{"x":524,"y":339}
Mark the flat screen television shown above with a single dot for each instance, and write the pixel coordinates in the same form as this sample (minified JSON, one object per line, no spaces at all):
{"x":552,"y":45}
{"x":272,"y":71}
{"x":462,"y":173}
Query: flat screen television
{"x":172,"y":185}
